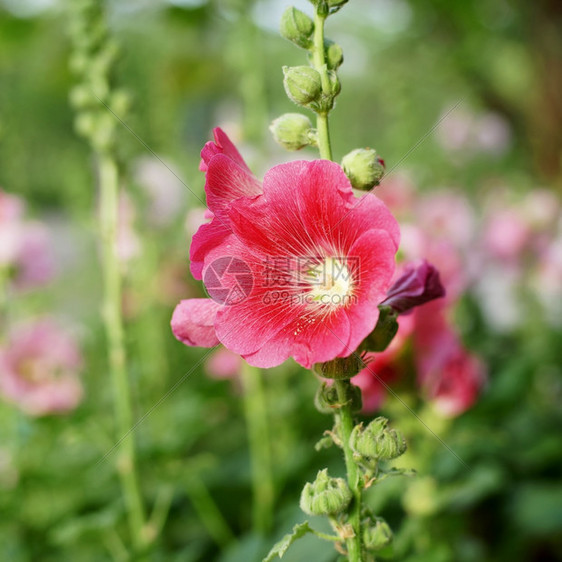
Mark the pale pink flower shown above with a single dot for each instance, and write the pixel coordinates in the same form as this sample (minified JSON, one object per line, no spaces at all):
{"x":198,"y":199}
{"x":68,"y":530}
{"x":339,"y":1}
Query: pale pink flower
{"x":39,"y":368}
{"x":492,"y":134}
{"x":296,"y":269}
{"x":128,"y":242}
{"x":446,"y":215}
{"x":223,"y":364}
{"x":25,"y":246}
{"x":165,"y":191}
{"x":506,"y":234}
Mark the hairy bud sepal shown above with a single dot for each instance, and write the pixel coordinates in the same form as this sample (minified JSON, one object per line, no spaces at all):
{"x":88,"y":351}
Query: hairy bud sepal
{"x":325,"y":496}
{"x":340,"y":368}
{"x":363,"y":168}
{"x":385,"y":330}
{"x":376,"y":534}
{"x":327,"y":401}
{"x":297,"y":27}
{"x":302,"y":84}
{"x":376,"y":442}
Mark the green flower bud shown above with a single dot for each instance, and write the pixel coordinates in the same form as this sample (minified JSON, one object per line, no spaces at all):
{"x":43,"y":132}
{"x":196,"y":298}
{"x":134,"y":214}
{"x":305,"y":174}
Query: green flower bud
{"x":363,"y":168}
{"x":292,"y":131}
{"x":385,"y":330}
{"x":334,"y":55}
{"x":376,"y":534}
{"x":85,"y":123}
{"x":340,"y":368}
{"x":297,"y":27}
{"x":422,"y":497}
{"x":120,"y":102}
{"x":327,"y":401}
{"x":325,"y":496}
{"x":376,"y":442}
{"x":302,"y":84}
{"x":82,"y":98}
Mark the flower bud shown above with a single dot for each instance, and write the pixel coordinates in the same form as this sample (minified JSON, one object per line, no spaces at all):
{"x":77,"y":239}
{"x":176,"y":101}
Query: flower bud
{"x":334,"y":55}
{"x":340,"y":367}
{"x":325,"y":496}
{"x":302,"y":84}
{"x":376,"y":442}
{"x":327,"y":401}
{"x":82,"y":98}
{"x":297,"y":27}
{"x":334,"y":83}
{"x":292,"y":131}
{"x":385,"y":330}
{"x":376,"y":534}
{"x":363,"y":168}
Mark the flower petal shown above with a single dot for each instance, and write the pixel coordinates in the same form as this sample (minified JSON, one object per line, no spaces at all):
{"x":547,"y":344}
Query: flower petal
{"x":193,"y":322}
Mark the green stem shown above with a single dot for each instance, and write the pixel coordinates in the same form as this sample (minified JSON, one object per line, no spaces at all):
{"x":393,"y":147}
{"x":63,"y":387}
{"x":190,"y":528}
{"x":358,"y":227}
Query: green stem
{"x":260,"y":454}
{"x":126,"y":463}
{"x":208,"y":512}
{"x":319,"y":60}
{"x":344,"y":414}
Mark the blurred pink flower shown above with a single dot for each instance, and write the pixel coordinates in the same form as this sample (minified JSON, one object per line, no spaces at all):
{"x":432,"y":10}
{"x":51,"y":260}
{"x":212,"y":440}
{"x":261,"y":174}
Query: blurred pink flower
{"x":223,"y":364}
{"x":492,"y":134}
{"x":449,"y":375}
{"x":164,"y":190}
{"x":25,"y":246}
{"x":506,"y":234}
{"x":39,"y":369}
{"x":128,"y":242}
{"x":448,"y":215}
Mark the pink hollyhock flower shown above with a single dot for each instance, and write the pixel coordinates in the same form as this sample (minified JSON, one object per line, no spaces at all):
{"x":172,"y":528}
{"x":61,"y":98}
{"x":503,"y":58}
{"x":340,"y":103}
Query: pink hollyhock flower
{"x":418,"y":284}
{"x":296,"y":269}
{"x":38,"y":369}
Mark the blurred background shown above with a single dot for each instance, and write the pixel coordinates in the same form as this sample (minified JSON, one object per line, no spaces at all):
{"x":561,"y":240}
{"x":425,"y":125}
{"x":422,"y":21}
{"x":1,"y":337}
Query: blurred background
{"x":463,"y":100}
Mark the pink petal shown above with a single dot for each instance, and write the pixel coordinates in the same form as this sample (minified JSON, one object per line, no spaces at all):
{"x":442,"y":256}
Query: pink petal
{"x":193,"y":322}
{"x":221,"y":145}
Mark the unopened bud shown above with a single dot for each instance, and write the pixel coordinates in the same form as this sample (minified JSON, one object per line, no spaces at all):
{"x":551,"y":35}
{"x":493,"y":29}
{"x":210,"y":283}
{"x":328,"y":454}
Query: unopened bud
{"x":385,"y":330}
{"x":292,"y":131}
{"x":325,"y":496}
{"x":297,"y":27}
{"x":334,"y":55}
{"x":302,"y":84}
{"x":376,"y":442}
{"x":363,"y":168}
{"x":377,"y":534}
{"x":327,"y":400}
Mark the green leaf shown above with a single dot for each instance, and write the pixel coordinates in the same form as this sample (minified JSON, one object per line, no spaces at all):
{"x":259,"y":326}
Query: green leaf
{"x":280,"y":548}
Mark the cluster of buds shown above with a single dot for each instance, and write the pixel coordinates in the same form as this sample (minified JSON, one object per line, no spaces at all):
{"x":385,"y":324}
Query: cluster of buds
{"x":314,"y":87}
{"x":94,"y":56}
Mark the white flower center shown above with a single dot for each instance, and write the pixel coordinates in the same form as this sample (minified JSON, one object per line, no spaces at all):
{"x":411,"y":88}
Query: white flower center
{"x":330,"y":282}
